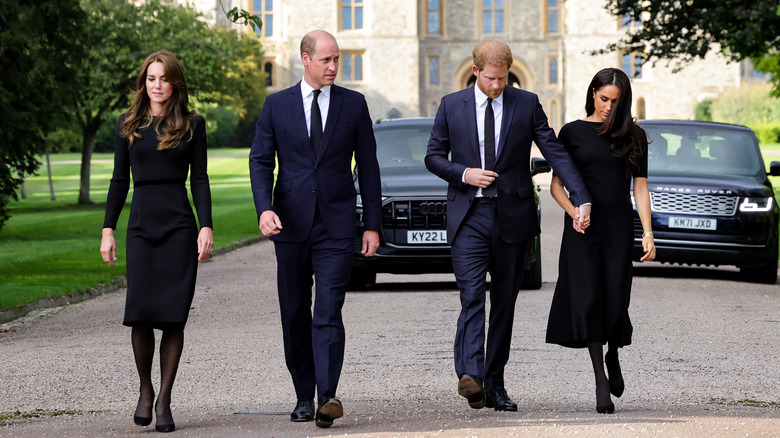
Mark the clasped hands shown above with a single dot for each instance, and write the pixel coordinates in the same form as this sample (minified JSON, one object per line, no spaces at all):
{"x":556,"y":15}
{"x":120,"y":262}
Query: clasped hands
{"x":482,"y":178}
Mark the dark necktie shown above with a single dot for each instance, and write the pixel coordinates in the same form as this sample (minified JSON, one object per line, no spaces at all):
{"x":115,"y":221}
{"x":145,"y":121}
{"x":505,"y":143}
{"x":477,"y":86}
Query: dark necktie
{"x":316,"y":123}
{"x":490,"y":146}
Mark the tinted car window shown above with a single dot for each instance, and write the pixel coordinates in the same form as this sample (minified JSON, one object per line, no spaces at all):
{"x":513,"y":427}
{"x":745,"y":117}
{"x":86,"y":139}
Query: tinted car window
{"x":702,"y":150}
{"x":404,"y":147}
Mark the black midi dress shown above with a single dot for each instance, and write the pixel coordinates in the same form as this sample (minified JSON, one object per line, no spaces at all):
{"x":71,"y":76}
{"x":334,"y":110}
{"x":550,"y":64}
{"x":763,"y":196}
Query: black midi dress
{"x":161,"y":247}
{"x":592,"y":295}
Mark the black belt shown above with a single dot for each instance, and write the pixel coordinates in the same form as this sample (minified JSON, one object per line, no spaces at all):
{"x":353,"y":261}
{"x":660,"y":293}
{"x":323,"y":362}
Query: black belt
{"x":158,"y":182}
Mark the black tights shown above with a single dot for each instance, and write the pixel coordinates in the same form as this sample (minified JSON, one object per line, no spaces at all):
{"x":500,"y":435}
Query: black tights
{"x":596,"y":350}
{"x":171,"y":346}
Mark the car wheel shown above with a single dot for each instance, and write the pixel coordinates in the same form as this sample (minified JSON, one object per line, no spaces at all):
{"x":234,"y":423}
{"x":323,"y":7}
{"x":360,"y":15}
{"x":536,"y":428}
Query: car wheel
{"x":532,"y":277}
{"x":766,"y":274}
{"x":361,"y":279}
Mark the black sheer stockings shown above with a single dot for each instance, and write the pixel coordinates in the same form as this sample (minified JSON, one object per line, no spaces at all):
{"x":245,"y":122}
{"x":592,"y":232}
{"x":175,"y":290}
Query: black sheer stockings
{"x":171,"y":346}
{"x":603,"y":400}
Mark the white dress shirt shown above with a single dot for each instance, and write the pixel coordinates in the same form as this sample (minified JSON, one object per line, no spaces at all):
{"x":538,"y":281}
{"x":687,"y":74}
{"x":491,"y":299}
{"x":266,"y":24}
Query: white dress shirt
{"x":324,"y":101}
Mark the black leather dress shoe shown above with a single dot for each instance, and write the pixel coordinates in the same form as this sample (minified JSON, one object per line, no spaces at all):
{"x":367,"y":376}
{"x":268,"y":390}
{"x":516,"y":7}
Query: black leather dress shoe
{"x":471,"y":388}
{"x":500,"y":401}
{"x":304,"y":411}
{"x":329,"y":409}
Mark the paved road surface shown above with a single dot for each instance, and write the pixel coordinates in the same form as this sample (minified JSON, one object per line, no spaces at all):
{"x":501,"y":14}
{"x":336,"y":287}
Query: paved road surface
{"x":704,"y":361}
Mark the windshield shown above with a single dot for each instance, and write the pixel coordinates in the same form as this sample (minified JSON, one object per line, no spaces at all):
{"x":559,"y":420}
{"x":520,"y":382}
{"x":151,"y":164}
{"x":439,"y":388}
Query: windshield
{"x":402,"y":146}
{"x":701,"y":150}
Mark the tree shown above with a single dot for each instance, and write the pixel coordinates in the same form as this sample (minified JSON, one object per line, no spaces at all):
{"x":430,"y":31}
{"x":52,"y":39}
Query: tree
{"x":34,"y":36}
{"x":683,"y":31}
{"x":220,"y":65}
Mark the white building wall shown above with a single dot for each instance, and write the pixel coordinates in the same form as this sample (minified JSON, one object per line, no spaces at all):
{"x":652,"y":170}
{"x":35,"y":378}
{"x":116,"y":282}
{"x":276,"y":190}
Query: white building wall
{"x":667,"y":95}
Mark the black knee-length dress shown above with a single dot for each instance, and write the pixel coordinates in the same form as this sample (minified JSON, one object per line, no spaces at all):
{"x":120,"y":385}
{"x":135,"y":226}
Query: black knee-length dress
{"x":593,"y":291}
{"x":162,"y":252}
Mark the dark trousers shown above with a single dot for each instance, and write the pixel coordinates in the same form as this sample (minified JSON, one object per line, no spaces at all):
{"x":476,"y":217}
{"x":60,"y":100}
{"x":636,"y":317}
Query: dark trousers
{"x":313,"y":342}
{"x":476,"y":250}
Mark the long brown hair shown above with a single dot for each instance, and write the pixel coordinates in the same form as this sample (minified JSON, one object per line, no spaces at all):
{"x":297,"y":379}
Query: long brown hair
{"x":175,"y":112}
{"x":628,"y":139}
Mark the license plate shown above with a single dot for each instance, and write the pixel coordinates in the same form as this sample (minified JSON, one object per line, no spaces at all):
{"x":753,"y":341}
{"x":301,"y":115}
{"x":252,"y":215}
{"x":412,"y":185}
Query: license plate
{"x":692,"y":223}
{"x":414,"y":237}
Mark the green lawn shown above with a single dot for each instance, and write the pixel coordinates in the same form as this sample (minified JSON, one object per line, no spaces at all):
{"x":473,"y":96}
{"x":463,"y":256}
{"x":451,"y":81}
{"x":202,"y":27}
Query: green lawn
{"x":51,"y":248}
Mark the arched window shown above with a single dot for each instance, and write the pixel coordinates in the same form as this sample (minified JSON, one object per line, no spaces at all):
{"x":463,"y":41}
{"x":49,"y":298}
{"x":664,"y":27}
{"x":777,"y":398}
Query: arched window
{"x":553,"y":115}
{"x":268,"y":67}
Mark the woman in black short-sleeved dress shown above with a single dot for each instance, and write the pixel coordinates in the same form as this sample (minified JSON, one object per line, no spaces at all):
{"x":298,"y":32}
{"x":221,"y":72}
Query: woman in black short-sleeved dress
{"x":590,"y":304}
{"x":161,"y":141}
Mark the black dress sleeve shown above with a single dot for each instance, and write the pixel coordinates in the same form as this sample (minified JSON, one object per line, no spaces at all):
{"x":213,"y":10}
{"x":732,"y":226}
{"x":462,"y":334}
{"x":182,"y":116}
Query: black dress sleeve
{"x":199,"y":179}
{"x":120,"y":181}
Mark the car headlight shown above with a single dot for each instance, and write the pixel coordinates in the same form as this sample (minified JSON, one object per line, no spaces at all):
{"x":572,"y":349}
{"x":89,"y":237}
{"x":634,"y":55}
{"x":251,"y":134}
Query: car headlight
{"x":755,"y":204}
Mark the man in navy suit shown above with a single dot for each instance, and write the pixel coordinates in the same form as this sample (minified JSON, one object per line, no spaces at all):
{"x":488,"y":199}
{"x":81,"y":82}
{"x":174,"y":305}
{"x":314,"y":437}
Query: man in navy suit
{"x":310,"y":215}
{"x":481,"y":144}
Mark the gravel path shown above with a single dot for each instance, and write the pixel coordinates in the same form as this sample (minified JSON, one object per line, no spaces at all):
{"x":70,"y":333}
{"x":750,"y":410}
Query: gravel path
{"x":704,"y":362}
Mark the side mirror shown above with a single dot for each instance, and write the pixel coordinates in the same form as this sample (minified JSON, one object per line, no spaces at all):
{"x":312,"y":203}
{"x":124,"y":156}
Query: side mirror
{"x":539,"y":165}
{"x":774,"y":168}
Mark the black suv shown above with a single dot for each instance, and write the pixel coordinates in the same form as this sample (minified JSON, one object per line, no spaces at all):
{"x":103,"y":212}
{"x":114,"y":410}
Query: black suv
{"x":413,"y":239}
{"x":712,"y":201}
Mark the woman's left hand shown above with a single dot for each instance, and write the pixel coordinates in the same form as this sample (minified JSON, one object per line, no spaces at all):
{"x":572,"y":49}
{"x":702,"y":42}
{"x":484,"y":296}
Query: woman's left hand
{"x":205,"y":243}
{"x":649,"y":246}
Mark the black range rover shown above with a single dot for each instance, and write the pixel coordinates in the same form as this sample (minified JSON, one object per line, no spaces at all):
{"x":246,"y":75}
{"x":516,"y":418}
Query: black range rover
{"x":413,"y":239}
{"x":711,"y":199}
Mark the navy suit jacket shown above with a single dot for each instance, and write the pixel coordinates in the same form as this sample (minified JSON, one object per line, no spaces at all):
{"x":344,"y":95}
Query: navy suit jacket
{"x":305,"y":181}
{"x":524,"y":121}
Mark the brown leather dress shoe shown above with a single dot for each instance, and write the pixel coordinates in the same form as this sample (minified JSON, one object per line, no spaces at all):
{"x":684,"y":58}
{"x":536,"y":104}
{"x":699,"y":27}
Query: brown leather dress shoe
{"x":330,"y":408}
{"x":471,"y":388}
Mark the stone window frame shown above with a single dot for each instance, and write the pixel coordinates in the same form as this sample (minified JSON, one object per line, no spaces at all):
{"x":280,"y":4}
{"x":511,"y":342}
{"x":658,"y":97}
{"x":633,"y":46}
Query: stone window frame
{"x":550,"y":59}
{"x":439,"y":11}
{"x":429,"y":71}
{"x":633,"y":57}
{"x":270,"y":81}
{"x":554,"y":114}
{"x":493,"y":10}
{"x":353,"y":6}
{"x":558,"y":10}
{"x":265,"y":10}
{"x":346,"y":58}
{"x":433,"y":108}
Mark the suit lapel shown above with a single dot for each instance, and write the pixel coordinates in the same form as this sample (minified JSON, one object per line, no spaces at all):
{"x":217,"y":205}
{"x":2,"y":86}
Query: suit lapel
{"x":469,"y":111}
{"x":298,"y":118}
{"x":334,"y":108}
{"x":506,"y":120}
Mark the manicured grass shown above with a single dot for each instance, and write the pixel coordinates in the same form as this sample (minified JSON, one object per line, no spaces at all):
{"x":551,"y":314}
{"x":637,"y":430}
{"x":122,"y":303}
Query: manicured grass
{"x":51,"y":248}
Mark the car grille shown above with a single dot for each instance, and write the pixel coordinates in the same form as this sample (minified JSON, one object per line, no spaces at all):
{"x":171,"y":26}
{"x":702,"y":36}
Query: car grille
{"x":415,"y":215}
{"x":687,"y":203}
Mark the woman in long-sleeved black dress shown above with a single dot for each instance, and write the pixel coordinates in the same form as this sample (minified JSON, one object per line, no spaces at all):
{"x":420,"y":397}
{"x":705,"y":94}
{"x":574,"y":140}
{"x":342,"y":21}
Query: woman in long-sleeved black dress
{"x":590,"y":304}
{"x":161,"y":141}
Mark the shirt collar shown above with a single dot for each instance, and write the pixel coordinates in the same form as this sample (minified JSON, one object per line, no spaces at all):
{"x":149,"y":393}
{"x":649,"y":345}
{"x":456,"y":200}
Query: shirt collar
{"x":481,"y":97}
{"x":306,"y":89}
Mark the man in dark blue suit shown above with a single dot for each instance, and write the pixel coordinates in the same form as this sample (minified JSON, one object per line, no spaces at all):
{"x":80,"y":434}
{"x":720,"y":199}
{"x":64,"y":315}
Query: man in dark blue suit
{"x":310,"y":215}
{"x":481,"y":144}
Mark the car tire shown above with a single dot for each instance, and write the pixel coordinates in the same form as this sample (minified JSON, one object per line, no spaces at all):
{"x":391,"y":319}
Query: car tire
{"x":532,"y":277}
{"x":361,"y":279}
{"x":766,"y":274}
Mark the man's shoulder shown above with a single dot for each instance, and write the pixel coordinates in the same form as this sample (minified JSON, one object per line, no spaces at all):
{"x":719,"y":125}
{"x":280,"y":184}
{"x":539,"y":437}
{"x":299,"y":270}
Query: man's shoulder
{"x":519,"y":93}
{"x":286,"y":93}
{"x":461,"y":94}
{"x":346,"y":92}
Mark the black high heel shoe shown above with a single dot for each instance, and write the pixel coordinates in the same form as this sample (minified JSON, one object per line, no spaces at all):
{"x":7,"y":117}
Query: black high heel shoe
{"x":163,"y":427}
{"x":142,"y":421}
{"x":616,"y":384}
{"x":607,"y":409}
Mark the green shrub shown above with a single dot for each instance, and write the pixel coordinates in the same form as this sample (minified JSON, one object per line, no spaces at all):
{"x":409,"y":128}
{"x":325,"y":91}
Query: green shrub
{"x":703,"y":110}
{"x":767,"y":132}
{"x":746,"y":105}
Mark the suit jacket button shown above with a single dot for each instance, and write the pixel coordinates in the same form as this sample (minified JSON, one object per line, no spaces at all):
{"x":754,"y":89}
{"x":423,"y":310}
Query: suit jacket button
{"x":313,"y":189}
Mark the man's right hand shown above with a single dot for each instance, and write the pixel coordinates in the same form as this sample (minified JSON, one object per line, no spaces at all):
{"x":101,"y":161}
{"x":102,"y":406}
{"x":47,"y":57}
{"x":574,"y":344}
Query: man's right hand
{"x":480,"y":177}
{"x":269,"y":223}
